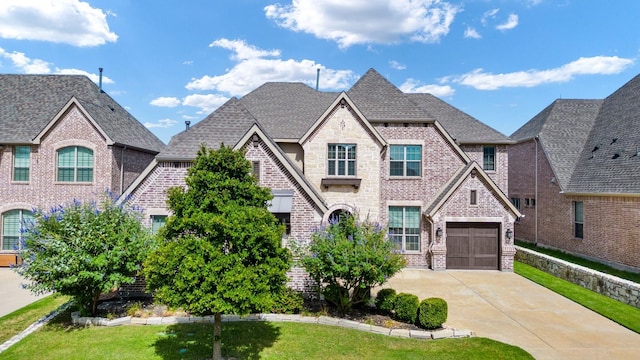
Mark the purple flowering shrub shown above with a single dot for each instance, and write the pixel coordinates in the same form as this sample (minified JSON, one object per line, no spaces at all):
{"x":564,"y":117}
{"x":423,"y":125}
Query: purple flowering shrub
{"x":348,"y":257}
{"x":83,"y":249}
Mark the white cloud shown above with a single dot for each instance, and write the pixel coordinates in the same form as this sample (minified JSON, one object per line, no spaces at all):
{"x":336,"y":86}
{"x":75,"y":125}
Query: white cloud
{"x":254,"y":68}
{"x":365,"y":22}
{"x":471,"y":33}
{"x":413,"y":86}
{"x":511,"y":23}
{"x":163,"y":123}
{"x":94,"y":77}
{"x":597,"y":65}
{"x":26,"y":64}
{"x":491,"y":14}
{"x":396,"y":65}
{"x":165,"y":101}
{"x":207,"y":103}
{"x":61,"y":21}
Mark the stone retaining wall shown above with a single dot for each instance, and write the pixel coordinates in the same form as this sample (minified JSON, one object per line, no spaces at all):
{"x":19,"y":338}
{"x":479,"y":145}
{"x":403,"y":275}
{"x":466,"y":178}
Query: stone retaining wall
{"x":614,"y":287}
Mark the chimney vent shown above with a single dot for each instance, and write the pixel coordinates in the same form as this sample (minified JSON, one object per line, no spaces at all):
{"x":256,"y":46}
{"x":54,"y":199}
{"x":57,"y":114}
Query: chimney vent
{"x":187,"y":123}
{"x":100,"y":79}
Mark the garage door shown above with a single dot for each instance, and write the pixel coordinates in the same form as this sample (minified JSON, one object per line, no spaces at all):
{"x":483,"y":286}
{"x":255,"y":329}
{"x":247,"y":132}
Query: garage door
{"x":473,"y":246}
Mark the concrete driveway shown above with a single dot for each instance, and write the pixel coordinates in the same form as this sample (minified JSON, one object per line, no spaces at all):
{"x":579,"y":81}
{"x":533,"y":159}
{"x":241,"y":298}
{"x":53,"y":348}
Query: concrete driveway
{"x":511,"y":309}
{"x":12,"y":295}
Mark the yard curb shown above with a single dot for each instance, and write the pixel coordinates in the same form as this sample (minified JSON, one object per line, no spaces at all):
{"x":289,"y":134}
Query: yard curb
{"x":33,"y":327}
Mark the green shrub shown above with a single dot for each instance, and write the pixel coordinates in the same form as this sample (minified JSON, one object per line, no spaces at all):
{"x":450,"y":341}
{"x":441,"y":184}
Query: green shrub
{"x":406,"y":307}
{"x":432,"y":313}
{"x":288,"y":301}
{"x":385,"y":300}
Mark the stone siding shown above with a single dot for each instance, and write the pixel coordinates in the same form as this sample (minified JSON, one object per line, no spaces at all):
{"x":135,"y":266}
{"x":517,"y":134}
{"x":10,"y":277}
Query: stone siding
{"x":614,"y":287}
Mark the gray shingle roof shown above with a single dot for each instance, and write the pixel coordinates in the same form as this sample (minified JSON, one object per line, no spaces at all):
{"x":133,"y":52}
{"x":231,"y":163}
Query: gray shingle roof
{"x":287,"y":110}
{"x":460,"y":125}
{"x":380,"y":100}
{"x":609,"y":162}
{"x":29,"y":102}
{"x":226,"y":126}
{"x":562,"y":129}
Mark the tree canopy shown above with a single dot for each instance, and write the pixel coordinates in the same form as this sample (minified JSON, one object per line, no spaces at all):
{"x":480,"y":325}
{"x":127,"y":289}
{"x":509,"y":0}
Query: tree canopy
{"x":222,"y":248}
{"x":83,"y":249}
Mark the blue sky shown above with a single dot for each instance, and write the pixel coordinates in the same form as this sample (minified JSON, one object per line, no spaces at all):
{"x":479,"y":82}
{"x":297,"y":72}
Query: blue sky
{"x":501,"y":61}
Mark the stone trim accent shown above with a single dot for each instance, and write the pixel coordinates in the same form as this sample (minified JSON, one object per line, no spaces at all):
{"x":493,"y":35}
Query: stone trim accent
{"x":614,"y":287}
{"x":323,"y":320}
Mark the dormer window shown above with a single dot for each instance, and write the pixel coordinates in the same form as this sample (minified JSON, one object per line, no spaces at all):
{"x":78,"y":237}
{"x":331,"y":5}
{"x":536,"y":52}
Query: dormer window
{"x":341,"y":160}
{"x":75,"y":164}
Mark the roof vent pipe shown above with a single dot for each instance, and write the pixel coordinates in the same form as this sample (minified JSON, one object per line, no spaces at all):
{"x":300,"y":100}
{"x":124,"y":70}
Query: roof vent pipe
{"x":187,"y":123}
{"x":317,"y":79}
{"x":100,"y":80}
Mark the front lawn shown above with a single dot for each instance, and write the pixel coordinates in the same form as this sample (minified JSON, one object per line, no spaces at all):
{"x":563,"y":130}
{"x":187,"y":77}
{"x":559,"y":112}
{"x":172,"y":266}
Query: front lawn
{"x":14,"y":323}
{"x":625,"y":315}
{"x":245,"y":340}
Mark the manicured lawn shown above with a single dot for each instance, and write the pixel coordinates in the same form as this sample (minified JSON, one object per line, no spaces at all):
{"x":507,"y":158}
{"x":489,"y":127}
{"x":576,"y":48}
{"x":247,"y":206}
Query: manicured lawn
{"x":246,"y":340}
{"x":631,"y":276}
{"x":12,"y":324}
{"x":625,"y":315}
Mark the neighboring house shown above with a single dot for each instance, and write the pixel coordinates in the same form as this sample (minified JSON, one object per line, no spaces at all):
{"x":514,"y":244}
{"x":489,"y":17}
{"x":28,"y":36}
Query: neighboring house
{"x":435,"y":175}
{"x":575,"y":175}
{"x":62,"y":138}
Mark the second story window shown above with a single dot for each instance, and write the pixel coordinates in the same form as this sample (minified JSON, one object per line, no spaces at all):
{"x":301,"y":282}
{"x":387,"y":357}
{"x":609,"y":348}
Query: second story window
{"x":405,"y":160}
{"x":489,"y":158}
{"x":21,"y":163}
{"x":75,"y":164}
{"x":341,"y":160}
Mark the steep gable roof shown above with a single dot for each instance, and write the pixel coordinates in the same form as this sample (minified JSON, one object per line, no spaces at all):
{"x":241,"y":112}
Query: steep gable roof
{"x":287,"y":110}
{"x":226,"y":125}
{"x":464,"y":128}
{"x":30,"y":103}
{"x":380,"y":100}
{"x":609,"y":162}
{"x":562,"y":129}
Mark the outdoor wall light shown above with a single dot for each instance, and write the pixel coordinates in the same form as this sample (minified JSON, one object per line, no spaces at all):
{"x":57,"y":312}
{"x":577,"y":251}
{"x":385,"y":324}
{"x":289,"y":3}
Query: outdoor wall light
{"x":439,"y":232}
{"x":509,"y":234}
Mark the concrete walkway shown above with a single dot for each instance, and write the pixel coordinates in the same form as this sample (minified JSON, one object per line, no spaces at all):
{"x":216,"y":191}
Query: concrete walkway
{"x":12,"y":295}
{"x":511,"y":309}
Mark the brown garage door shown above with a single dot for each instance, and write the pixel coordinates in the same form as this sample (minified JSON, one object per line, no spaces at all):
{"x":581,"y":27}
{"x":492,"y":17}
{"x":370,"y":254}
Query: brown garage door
{"x":473,"y":246}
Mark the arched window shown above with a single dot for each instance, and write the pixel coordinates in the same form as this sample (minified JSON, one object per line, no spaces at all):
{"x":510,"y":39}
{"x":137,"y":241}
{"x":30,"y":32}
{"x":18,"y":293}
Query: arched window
{"x":75,"y":164}
{"x":12,"y":223}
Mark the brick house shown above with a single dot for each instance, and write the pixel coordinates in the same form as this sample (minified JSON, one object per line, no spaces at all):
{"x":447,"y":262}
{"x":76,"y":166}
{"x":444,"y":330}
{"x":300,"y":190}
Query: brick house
{"x":575,"y":174}
{"x":61,"y":138}
{"x":437,"y":176}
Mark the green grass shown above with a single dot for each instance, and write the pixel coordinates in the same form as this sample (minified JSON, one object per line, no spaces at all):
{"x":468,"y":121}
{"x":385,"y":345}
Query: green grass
{"x":13,"y":323}
{"x":625,"y":315}
{"x":245,"y":340}
{"x":631,"y":276}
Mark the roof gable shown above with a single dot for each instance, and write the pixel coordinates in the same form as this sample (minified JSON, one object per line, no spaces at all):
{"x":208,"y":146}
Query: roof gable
{"x":30,"y":103}
{"x":610,"y":162}
{"x":226,"y":125}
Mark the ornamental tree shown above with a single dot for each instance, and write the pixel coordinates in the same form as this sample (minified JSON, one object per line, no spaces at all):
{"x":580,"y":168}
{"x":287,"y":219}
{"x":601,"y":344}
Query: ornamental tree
{"x":83,"y":249}
{"x":222,"y":249}
{"x":348,"y":257}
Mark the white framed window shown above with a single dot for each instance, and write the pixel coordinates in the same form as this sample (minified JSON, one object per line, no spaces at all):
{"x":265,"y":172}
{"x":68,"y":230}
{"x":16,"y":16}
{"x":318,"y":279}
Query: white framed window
{"x":75,"y":164}
{"x":13,"y":221}
{"x":489,"y":158}
{"x":341,"y":160}
{"x":21,"y":163}
{"x":404,"y":227}
{"x":157,"y":222}
{"x":405,"y":160}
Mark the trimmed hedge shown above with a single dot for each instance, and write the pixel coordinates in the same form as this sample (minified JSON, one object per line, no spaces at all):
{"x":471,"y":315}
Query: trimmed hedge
{"x":432,"y":313}
{"x":406,"y":307}
{"x":385,"y":300}
{"x":288,"y":301}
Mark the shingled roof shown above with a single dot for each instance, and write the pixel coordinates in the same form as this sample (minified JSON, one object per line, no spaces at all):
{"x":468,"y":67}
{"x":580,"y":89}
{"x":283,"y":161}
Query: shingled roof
{"x":226,"y":126}
{"x":562,"y":129}
{"x":28,"y":103}
{"x":610,"y":162}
